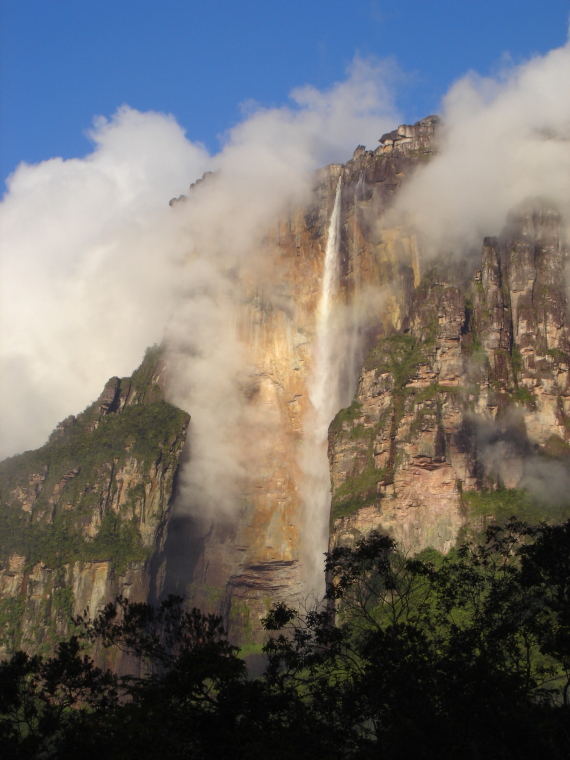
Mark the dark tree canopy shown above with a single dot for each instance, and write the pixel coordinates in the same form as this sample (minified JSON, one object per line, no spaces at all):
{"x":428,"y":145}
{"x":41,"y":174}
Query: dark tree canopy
{"x":463,"y":656}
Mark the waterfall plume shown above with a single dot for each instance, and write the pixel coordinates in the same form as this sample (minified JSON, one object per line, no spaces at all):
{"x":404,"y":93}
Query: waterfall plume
{"x":325,"y":396}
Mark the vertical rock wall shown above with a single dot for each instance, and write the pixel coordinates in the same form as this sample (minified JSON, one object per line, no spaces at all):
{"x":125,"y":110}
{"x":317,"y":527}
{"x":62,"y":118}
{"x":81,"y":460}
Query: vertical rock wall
{"x":239,"y":567}
{"x":461,"y":388}
{"x":471,"y":395}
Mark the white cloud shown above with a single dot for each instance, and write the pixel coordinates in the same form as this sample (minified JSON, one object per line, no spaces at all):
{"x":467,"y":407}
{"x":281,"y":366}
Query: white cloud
{"x":88,"y":259}
{"x":95,"y":264}
{"x":505,"y":139}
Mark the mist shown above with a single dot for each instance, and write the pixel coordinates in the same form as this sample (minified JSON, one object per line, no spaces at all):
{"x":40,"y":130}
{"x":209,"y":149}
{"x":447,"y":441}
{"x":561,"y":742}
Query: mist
{"x":504,"y":139}
{"x":96,"y":265}
{"x":509,"y":459}
{"x":266,"y":168}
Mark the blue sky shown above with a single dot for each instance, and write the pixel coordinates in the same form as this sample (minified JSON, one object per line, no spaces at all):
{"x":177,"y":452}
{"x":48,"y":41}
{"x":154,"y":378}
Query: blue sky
{"x":65,"y":61}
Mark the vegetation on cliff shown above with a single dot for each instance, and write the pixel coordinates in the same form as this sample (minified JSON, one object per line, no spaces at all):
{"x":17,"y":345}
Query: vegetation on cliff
{"x":432,"y":657}
{"x":461,"y":417}
{"x":497,"y":505}
{"x":77,"y":467}
{"x":97,"y":491}
{"x":394,"y":360}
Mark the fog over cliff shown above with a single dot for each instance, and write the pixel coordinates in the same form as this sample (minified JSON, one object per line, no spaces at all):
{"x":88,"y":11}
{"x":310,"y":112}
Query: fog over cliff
{"x":504,"y":140}
{"x":96,"y":266}
{"x":95,"y":263}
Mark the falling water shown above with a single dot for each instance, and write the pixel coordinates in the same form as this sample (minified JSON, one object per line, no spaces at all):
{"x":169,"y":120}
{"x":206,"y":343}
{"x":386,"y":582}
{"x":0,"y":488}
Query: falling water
{"x":323,"y":388}
{"x":325,"y":395}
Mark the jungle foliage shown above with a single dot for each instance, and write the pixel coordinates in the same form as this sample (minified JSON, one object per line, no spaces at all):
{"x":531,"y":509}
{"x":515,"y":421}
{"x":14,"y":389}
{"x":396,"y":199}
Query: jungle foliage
{"x":463,"y":656}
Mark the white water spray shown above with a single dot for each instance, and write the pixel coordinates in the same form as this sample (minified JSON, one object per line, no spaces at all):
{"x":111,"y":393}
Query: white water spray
{"x":325,"y":378}
{"x":325,"y":396}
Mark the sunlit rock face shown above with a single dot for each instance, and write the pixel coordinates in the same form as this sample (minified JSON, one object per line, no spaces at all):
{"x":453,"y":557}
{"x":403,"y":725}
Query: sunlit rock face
{"x":472,"y":393}
{"x":239,"y":566}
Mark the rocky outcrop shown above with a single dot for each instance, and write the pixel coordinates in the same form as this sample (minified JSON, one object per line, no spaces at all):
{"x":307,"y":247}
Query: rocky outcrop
{"x":471,"y":394}
{"x":83,"y":517}
{"x":411,"y":140}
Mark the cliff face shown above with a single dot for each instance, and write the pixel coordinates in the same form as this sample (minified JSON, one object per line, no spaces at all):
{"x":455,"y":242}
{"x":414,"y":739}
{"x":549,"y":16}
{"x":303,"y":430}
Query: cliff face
{"x":461,"y":407}
{"x":83,"y":516}
{"x":470,"y":397}
{"x":238,"y":567}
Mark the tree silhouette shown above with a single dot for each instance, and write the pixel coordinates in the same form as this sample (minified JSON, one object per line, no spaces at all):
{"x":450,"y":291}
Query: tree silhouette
{"x":466,"y":655}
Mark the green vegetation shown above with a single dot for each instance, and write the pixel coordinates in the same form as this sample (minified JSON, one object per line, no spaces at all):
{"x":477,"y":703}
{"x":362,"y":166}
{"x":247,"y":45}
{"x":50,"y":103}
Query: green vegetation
{"x":516,"y":359}
{"x":431,"y":410}
{"x":11,"y":611}
{"x":350,"y":414}
{"x":556,"y":448}
{"x":63,"y":601}
{"x":361,"y":431}
{"x":433,"y":557}
{"x":356,"y":492}
{"x":240,"y":618}
{"x":141,"y":431}
{"x":524,"y":396}
{"x":213,"y":594}
{"x":60,"y":542}
{"x":476,"y":349}
{"x":397,"y":355}
{"x":77,"y":468}
{"x":501,"y":504}
{"x":246,"y":650}
{"x":73,"y":482}
{"x":557,"y":355}
{"x":462,"y":656}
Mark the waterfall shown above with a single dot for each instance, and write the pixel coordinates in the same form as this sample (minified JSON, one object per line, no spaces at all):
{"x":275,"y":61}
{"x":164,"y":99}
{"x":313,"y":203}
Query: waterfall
{"x":325,"y":396}
{"x":323,"y":389}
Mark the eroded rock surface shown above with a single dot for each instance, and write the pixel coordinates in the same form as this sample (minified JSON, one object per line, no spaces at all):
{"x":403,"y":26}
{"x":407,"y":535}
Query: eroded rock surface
{"x":239,"y":567}
{"x":472,"y":394}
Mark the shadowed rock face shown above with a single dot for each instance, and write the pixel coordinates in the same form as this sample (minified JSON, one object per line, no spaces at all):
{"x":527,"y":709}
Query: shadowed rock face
{"x":474,"y":394}
{"x":83,"y":516}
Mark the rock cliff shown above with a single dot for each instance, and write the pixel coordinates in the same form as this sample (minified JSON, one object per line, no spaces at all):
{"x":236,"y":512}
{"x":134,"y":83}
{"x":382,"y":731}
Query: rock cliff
{"x":239,"y":566}
{"x":465,"y":404}
{"x":456,"y":401}
{"x":82,"y":518}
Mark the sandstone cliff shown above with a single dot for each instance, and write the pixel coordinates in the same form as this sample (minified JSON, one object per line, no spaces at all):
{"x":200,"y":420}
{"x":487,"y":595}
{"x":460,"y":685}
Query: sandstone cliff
{"x":238,"y":567}
{"x":468,"y":402}
{"x":461,"y":412}
{"x":82,"y":517}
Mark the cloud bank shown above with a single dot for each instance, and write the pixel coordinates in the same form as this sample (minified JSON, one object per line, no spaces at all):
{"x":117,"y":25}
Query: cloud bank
{"x":505,"y":139}
{"x":96,"y":266}
{"x":88,"y":258}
